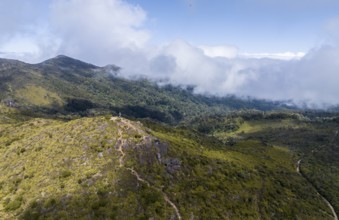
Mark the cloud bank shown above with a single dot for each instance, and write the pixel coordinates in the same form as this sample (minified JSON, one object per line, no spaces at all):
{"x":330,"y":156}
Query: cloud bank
{"x":113,"y":32}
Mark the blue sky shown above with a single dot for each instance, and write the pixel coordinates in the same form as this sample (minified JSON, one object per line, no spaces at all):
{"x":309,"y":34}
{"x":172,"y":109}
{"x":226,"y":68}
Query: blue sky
{"x":253,"y":26}
{"x":268,"y":49}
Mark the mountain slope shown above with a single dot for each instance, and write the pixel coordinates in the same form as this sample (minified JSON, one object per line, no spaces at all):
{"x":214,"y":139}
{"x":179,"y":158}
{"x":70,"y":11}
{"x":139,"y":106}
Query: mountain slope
{"x":64,"y":85}
{"x":312,"y":137}
{"x":63,"y":155}
{"x":101,"y":168}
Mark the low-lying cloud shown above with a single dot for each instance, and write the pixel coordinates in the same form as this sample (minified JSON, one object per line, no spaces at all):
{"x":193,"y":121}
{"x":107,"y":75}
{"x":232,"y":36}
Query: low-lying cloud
{"x":113,"y":32}
{"x":310,"y":80}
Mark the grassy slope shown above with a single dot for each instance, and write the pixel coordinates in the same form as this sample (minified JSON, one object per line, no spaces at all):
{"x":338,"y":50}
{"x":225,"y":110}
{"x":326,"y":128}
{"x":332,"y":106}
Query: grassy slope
{"x":319,"y":148}
{"x":70,"y":169}
{"x":249,"y":180}
{"x":315,"y":141}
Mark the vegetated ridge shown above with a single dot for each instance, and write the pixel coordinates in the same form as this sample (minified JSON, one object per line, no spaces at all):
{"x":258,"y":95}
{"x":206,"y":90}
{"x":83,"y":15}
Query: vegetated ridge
{"x":64,"y":87}
{"x":173,"y":154}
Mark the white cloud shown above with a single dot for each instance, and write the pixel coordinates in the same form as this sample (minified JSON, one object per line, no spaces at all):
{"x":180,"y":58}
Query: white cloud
{"x":112,"y":32}
{"x":278,"y":56}
{"x":102,"y":31}
{"x":99,"y":30}
{"x":113,"y":23}
{"x":181,"y":63}
{"x":220,"y":51}
{"x":309,"y":80}
{"x":30,"y":46}
{"x":24,"y":34}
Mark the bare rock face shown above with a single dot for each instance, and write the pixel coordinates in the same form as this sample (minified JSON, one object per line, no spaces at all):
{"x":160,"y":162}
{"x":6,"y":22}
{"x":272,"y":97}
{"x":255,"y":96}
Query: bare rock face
{"x":9,"y":102}
{"x":161,"y":148}
{"x":172,"y":165}
{"x":152,"y":151}
{"x":145,"y":152}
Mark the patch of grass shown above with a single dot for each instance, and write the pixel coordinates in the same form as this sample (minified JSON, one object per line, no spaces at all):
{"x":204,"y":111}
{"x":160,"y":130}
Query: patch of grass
{"x":38,"y":96}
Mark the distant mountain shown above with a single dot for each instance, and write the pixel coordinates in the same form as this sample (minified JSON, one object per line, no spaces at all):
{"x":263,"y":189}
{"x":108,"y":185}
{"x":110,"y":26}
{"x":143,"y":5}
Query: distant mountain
{"x":64,"y":85}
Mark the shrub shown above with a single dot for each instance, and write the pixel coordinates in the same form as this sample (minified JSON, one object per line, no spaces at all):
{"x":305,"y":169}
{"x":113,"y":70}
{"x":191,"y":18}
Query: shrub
{"x":13,"y":205}
{"x":65,"y":173}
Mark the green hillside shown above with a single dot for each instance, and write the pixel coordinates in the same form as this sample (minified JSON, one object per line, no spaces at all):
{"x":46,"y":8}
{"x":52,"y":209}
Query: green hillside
{"x":85,"y":168}
{"x":66,"y":87}
{"x":172,"y":155}
{"x":311,"y":136}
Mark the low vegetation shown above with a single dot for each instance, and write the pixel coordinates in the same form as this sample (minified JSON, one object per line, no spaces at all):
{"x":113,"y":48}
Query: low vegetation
{"x":188,"y":156}
{"x":65,"y":88}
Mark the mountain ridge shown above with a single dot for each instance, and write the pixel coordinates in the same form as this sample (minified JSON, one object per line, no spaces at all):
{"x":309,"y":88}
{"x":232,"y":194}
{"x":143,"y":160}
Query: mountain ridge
{"x":66,"y":61}
{"x":171,"y":155}
{"x":70,"y":85}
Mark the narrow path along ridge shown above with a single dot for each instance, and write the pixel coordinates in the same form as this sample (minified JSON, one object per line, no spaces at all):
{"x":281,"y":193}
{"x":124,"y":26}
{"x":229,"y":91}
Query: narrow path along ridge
{"x":325,"y":200}
{"x":121,"y":142}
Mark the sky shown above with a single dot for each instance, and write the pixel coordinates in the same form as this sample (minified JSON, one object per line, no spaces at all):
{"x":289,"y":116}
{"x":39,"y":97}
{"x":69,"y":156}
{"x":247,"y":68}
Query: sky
{"x":284,"y":50}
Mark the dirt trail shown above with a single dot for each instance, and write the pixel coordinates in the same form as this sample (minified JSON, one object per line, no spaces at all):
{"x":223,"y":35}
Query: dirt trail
{"x":136,"y":174}
{"x":325,"y":200}
{"x":121,"y":142}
